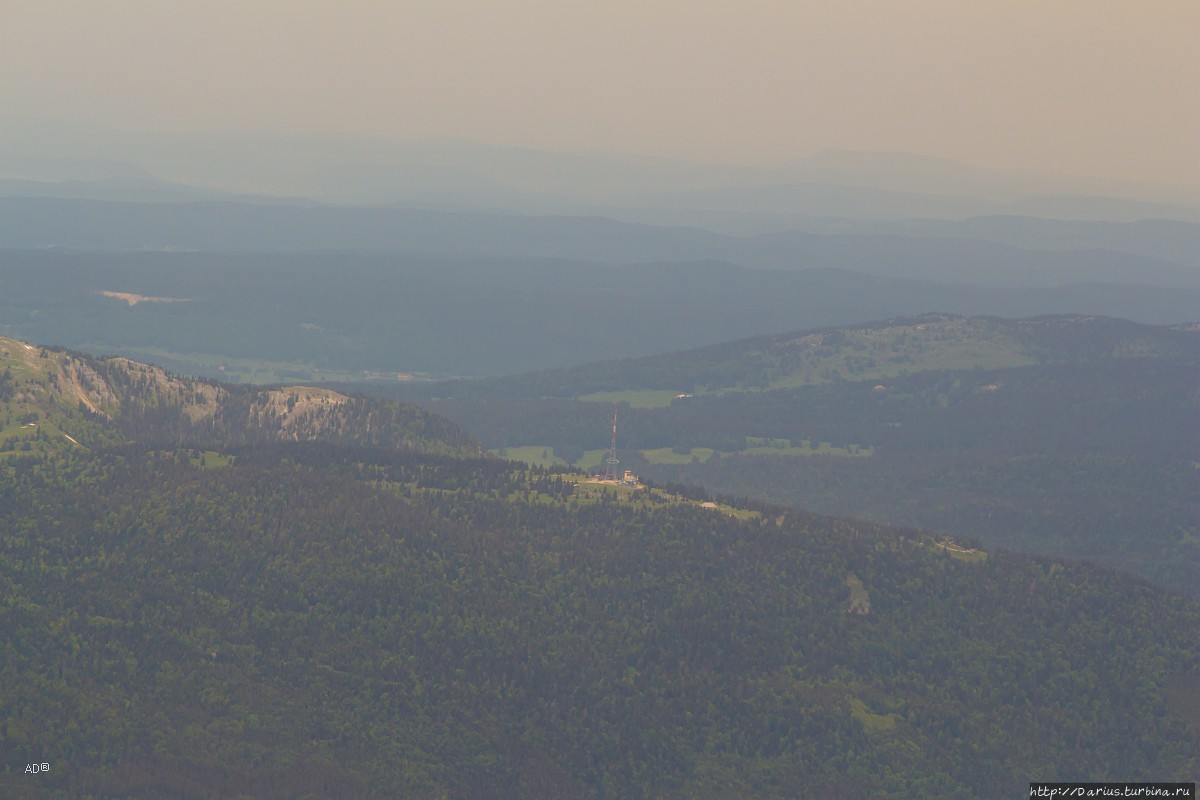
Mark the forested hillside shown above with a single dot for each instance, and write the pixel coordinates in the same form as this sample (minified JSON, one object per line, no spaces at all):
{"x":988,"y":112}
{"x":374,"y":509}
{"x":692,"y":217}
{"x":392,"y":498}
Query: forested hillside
{"x":1068,"y":436}
{"x":885,"y":349}
{"x":310,"y":620}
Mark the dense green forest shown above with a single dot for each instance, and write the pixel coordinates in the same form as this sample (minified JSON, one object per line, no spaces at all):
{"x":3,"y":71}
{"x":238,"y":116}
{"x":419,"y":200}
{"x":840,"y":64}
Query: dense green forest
{"x":308,"y":620}
{"x":210,"y":591}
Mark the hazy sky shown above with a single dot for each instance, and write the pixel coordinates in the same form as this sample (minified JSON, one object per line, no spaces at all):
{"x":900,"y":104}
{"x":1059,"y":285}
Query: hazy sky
{"x":1094,"y":87}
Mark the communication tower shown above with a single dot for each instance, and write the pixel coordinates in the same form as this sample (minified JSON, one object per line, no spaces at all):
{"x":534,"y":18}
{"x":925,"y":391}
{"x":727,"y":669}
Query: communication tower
{"x":610,"y":472}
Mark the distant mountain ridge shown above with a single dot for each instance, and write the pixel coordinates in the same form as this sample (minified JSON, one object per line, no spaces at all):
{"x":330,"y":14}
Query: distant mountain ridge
{"x":30,"y":223}
{"x":319,"y":316}
{"x":899,"y":346}
{"x":353,"y":169}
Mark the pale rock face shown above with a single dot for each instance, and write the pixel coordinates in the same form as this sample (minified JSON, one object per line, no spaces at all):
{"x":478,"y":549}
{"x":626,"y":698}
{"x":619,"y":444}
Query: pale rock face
{"x":88,"y":400}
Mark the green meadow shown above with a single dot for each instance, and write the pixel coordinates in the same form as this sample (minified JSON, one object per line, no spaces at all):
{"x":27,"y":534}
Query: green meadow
{"x":536,"y":454}
{"x":667,"y":455}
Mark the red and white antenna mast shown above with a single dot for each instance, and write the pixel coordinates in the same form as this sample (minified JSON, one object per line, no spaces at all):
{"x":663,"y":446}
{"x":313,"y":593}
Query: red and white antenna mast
{"x":610,"y":472}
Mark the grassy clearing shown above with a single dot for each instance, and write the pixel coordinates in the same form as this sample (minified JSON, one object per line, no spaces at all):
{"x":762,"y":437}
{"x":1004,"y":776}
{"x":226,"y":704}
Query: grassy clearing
{"x":968,"y":554}
{"x":732,"y":511}
{"x":872,"y":723}
{"x":209,"y":459}
{"x":879,"y":356}
{"x":666,"y":455}
{"x":41,"y":436}
{"x":588,"y":490}
{"x":535,"y":454}
{"x":543,"y":455}
{"x":591,"y":459}
{"x":859,"y":597}
{"x":635,"y":398}
{"x":41,"y":411}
